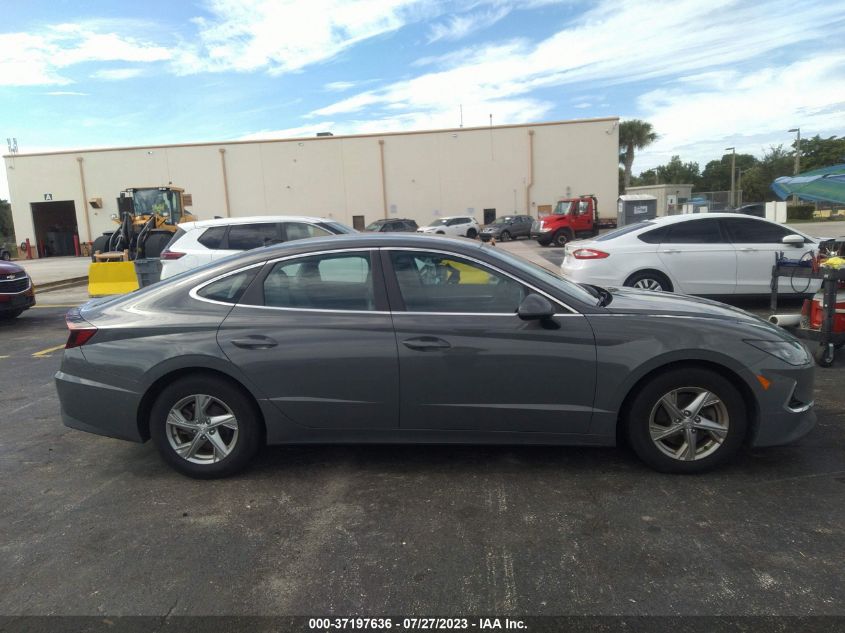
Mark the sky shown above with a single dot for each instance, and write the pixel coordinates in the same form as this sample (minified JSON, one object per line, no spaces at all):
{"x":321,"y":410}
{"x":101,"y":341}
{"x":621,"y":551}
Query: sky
{"x":707,"y":74}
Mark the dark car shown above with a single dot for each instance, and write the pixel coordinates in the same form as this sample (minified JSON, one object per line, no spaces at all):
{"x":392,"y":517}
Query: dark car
{"x":507,"y":227}
{"x":409,"y":339}
{"x":392,"y":225}
{"x":758,"y":209}
{"x":16,"y":291}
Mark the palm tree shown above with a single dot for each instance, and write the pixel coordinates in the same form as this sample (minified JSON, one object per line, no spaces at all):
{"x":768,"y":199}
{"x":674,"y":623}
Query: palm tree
{"x":633,"y":135}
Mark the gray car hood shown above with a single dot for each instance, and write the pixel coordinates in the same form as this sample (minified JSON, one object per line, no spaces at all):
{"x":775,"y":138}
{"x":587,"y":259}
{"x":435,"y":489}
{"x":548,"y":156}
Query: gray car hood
{"x":632,"y":301}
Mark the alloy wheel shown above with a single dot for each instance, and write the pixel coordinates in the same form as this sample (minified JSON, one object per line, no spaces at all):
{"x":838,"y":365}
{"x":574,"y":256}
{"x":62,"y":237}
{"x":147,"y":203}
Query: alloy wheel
{"x":648,"y":283}
{"x":689,"y":423}
{"x":201,"y":429}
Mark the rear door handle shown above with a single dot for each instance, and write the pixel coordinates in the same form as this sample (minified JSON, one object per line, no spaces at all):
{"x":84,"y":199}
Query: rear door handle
{"x":425,"y":343}
{"x":254,"y":342}
{"x":748,"y":250}
{"x":672,"y":251}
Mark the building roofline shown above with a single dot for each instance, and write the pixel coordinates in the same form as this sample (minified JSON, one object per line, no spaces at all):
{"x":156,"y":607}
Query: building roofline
{"x":299,"y":139}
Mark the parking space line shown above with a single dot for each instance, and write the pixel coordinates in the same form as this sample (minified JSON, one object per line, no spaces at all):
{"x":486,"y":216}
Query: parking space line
{"x":45,"y":353}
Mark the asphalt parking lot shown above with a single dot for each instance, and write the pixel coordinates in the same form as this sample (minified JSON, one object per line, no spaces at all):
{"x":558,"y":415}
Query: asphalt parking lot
{"x":95,"y":526}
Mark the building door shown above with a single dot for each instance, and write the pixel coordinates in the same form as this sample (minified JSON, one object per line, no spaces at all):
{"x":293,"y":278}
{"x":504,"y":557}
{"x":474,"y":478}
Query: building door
{"x":489,"y":216}
{"x":55,"y":228}
{"x":358,"y":222}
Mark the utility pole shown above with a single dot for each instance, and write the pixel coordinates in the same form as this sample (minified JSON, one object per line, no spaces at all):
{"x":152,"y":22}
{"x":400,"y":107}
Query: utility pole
{"x":733,"y":175}
{"x":797,"y":169}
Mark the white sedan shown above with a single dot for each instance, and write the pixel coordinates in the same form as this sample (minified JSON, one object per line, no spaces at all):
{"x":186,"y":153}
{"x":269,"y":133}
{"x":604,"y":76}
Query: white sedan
{"x":454,"y":226}
{"x":702,"y":254}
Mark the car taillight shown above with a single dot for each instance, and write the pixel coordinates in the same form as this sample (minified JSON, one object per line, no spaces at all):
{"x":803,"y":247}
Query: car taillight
{"x":171,"y":255}
{"x":80,"y":331}
{"x":589,"y":253}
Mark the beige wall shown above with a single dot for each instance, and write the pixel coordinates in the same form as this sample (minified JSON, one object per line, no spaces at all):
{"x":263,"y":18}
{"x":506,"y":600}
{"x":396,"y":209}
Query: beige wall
{"x":426,"y":174}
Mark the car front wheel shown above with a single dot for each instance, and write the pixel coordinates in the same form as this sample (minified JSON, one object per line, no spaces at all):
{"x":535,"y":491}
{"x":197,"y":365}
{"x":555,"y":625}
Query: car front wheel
{"x":205,"y":427}
{"x":686,"y":421}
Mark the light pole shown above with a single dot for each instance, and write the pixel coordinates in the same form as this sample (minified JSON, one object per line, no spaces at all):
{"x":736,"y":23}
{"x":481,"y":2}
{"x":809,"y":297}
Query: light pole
{"x":797,"y":169}
{"x":733,"y":174}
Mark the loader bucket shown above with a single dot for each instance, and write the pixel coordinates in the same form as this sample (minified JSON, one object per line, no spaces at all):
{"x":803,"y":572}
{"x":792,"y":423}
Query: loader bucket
{"x":111,"y":278}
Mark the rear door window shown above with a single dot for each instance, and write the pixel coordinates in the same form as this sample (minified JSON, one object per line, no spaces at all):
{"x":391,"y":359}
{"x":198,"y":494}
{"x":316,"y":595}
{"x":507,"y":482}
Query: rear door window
{"x":243,"y":237}
{"x":704,"y":231}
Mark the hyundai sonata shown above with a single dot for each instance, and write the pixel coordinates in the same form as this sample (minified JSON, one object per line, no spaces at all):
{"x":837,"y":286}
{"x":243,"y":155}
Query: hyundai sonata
{"x":406,"y":338}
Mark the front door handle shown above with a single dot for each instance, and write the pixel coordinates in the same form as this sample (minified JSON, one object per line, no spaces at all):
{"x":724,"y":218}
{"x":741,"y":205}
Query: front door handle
{"x":425,"y":343}
{"x":254,"y":342}
{"x":748,"y":250}
{"x":672,"y":251}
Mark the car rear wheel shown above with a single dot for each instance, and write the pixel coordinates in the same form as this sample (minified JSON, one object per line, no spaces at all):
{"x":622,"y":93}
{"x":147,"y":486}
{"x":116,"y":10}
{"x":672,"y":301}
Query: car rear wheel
{"x":686,"y":421}
{"x":205,"y":428}
{"x":649,"y":280}
{"x":6,"y":256}
{"x":472,"y":234}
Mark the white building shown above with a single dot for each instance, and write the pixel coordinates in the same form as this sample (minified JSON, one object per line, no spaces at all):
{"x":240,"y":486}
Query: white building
{"x":485,"y":172}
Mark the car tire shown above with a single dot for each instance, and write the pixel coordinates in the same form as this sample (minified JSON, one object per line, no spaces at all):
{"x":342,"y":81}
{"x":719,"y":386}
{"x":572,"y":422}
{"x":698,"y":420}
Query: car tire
{"x":504,"y":236}
{"x":239,"y":431}
{"x":662,"y":440}
{"x":543,"y":244}
{"x":649,"y":280}
{"x":472,"y":234}
{"x":156,"y":242}
{"x":9,"y":315}
{"x":6,"y":256}
{"x":560,"y":238}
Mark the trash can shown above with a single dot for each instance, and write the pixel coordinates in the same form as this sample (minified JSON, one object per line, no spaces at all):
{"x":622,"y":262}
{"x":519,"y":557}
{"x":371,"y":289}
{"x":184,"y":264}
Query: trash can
{"x":633,"y":208}
{"x":148,"y":271}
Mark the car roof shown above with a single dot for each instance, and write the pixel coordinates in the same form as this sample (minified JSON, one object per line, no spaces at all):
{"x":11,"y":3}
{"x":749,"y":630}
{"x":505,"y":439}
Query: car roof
{"x":252,"y":219}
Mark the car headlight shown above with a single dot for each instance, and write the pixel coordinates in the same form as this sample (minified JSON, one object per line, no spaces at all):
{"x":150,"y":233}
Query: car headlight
{"x":791,"y":352}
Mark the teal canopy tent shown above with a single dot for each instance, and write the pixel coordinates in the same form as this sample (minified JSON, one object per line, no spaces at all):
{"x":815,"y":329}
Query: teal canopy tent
{"x":820,"y":185}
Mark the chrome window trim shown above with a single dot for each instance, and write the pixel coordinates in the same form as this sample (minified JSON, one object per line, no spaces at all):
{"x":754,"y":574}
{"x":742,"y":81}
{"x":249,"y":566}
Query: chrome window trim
{"x":483,"y":263}
{"x":193,"y":292}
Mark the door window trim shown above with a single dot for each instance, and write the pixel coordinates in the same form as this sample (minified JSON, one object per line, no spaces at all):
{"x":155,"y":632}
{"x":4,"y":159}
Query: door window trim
{"x":391,"y":273}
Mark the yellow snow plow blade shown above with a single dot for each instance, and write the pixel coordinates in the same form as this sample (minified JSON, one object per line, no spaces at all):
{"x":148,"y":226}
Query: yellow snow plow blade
{"x":111,"y":278}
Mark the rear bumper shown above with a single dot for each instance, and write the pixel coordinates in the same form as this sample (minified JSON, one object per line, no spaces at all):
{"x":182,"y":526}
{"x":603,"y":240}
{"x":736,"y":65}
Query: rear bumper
{"x":98,"y":408}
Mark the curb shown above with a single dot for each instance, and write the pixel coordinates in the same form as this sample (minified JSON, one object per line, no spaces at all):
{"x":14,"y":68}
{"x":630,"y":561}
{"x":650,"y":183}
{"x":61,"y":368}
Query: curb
{"x":60,"y":285}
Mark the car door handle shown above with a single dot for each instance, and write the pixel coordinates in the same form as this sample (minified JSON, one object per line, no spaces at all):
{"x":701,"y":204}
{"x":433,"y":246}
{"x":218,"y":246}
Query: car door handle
{"x":425,"y":343}
{"x":672,"y":251}
{"x":748,"y":250}
{"x":254,"y":342}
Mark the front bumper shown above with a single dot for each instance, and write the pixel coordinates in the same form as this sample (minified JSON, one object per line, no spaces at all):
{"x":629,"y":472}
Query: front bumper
{"x":786,"y":408}
{"x":19,"y":301}
{"x":486,"y":237}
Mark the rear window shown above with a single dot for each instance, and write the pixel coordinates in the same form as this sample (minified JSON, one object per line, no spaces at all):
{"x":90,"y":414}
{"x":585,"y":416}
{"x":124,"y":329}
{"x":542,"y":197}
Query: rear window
{"x":623,"y":231}
{"x":213,"y":237}
{"x":229,"y":289}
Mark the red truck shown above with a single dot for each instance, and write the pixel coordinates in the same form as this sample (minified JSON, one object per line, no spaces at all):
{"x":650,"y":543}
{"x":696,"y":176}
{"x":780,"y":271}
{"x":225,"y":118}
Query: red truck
{"x":572,"y":218}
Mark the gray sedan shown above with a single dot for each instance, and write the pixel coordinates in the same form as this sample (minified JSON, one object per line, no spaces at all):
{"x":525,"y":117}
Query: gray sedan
{"x":404,"y":338}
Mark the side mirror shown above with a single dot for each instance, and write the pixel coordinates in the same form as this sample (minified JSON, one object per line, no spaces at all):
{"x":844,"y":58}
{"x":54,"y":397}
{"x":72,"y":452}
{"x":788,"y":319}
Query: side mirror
{"x":793,"y":240}
{"x":535,"y":307}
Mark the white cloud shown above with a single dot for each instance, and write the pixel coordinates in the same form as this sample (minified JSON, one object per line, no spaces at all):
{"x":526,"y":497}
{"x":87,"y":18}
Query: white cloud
{"x":747,"y":111}
{"x":66,"y":93}
{"x":115,"y":74}
{"x":459,"y":26}
{"x":29,"y":59}
{"x":340,"y":86}
{"x":287,"y":35}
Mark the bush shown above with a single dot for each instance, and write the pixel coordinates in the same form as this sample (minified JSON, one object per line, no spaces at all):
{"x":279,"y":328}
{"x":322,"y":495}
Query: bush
{"x":800,"y":212}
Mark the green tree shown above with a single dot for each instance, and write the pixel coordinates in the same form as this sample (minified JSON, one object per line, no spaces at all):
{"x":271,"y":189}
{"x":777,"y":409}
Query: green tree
{"x":7,"y":226}
{"x":717,"y":173}
{"x":817,"y":152}
{"x":677,"y":172}
{"x":634,"y":135}
{"x":757,"y":179}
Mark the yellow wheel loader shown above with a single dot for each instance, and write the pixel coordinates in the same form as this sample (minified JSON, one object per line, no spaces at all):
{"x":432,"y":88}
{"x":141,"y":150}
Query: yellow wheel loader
{"x":147,"y":218}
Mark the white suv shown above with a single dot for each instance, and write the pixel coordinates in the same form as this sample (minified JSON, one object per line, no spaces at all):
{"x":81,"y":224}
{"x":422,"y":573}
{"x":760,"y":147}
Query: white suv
{"x":454,"y":226}
{"x":198,"y":243}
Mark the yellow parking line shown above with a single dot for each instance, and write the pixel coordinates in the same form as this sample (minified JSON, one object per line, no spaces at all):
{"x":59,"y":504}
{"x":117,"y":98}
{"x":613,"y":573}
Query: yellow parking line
{"x":2,"y":357}
{"x":44,"y":353}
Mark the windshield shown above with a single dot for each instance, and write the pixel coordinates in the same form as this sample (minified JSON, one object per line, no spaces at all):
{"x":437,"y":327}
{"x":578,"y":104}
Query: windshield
{"x":439,"y":222}
{"x":563,"y":207}
{"x":552,"y":278}
{"x":503,"y":220}
{"x":165,"y":203}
